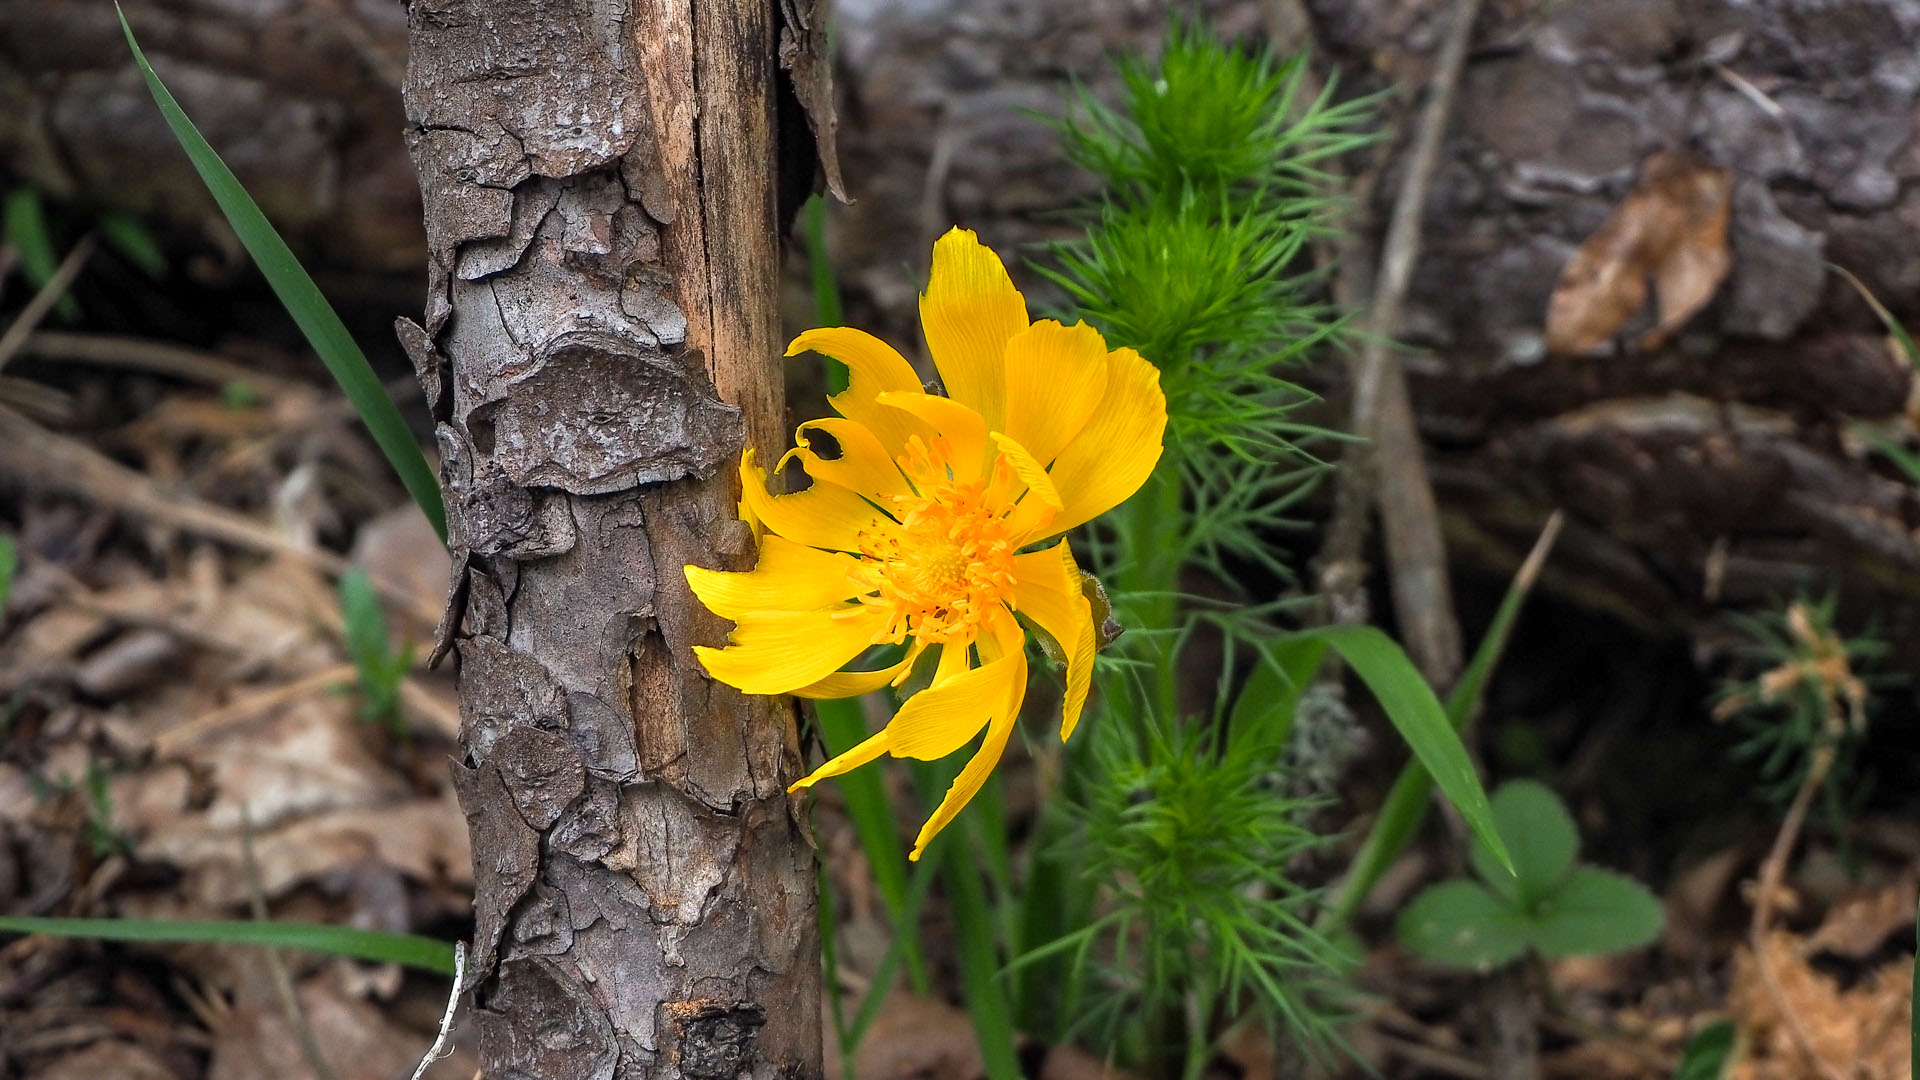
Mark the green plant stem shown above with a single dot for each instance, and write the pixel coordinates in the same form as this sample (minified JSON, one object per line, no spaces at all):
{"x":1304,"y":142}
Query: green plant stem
{"x":842,"y":726}
{"x":973,"y":926}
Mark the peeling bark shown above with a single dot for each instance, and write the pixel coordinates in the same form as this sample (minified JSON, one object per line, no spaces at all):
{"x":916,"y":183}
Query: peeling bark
{"x":599,"y":344}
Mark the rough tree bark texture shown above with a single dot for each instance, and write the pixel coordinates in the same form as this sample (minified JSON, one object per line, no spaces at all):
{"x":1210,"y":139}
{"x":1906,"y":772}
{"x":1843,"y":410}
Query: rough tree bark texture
{"x":600,"y":339}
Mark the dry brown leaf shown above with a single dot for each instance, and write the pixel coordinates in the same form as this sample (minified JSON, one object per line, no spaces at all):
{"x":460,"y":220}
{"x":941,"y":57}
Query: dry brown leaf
{"x":1858,"y":925}
{"x":319,"y":800}
{"x":915,"y":1038}
{"x":255,"y":1042}
{"x":1670,"y":230}
{"x":1861,"y":1030}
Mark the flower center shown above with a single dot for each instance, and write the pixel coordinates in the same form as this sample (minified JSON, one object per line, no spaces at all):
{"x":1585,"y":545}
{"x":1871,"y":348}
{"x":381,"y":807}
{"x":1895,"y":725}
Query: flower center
{"x":945,"y":561}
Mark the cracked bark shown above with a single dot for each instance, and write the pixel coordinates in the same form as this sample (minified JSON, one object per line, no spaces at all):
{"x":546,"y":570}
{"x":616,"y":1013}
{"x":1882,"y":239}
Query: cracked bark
{"x":599,"y":344}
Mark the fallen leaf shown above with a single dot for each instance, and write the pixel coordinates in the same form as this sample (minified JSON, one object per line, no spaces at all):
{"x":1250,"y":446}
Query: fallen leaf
{"x":1859,"y":925}
{"x":918,"y":1038}
{"x":1861,"y":1030}
{"x":1671,"y":230}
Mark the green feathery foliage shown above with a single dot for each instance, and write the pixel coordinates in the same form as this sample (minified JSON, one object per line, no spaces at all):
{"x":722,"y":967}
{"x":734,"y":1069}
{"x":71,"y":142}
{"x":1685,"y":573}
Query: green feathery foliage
{"x":1801,"y":699}
{"x":1180,"y":829}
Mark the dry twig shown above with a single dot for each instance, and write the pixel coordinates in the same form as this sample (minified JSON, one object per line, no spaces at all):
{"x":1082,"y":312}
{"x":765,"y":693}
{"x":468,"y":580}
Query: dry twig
{"x":1386,"y":466}
{"x":44,"y":300}
{"x":37,"y":456}
{"x":282,"y":985}
{"x":1772,"y":872}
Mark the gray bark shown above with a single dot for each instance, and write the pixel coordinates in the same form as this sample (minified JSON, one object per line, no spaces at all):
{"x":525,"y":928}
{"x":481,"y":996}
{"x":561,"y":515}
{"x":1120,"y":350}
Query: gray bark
{"x":600,"y":340}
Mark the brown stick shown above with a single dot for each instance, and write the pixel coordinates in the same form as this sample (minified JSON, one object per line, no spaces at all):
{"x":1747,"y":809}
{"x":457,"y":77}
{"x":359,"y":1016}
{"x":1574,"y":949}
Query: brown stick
{"x":1772,"y":872}
{"x":37,"y":457}
{"x":1387,"y":467}
{"x":43,"y":301}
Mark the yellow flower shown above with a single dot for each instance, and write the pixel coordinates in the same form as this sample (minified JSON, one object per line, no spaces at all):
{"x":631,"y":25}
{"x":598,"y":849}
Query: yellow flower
{"x":923,"y":522}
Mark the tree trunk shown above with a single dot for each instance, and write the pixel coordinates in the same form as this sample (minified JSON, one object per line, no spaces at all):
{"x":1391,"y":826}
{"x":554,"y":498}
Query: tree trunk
{"x":600,"y":340}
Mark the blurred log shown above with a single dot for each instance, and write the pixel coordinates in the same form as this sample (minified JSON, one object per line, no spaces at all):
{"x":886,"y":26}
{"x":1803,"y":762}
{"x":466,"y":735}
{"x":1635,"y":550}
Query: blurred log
{"x":302,"y":98}
{"x":1715,"y":469}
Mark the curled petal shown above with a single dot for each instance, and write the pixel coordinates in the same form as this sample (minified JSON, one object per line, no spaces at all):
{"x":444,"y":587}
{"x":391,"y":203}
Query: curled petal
{"x":789,"y":577}
{"x":974,"y":776}
{"x":866,"y":751}
{"x":1048,"y":591}
{"x":863,"y":466}
{"x":778,"y":652}
{"x":873,"y":367}
{"x":844,"y":684}
{"x":825,"y":515}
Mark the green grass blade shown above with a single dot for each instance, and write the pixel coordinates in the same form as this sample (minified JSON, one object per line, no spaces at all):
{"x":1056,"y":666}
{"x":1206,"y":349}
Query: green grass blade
{"x":407,"y":950}
{"x":1409,"y":703}
{"x":9,"y":565}
{"x":826,"y":291}
{"x":134,"y":241}
{"x":842,"y":726}
{"x":27,"y":231}
{"x":973,"y":931}
{"x":924,"y":874}
{"x":1899,"y":332}
{"x":303,"y":300}
{"x":1405,"y":808}
{"x":1902,"y":458}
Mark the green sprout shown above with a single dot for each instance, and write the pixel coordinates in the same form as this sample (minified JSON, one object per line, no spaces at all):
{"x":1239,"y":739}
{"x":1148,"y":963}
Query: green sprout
{"x":380,"y":667}
{"x":1802,"y":705}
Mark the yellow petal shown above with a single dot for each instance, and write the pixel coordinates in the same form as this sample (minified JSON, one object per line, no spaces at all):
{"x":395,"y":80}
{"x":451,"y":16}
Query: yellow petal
{"x":1115,"y":453}
{"x":844,"y":684}
{"x":825,"y":515}
{"x":1047,"y":590}
{"x":940,"y":719}
{"x":776,"y":652}
{"x":873,"y":367}
{"x":962,"y":428}
{"x":974,"y":776}
{"x":789,"y":577}
{"x":1042,"y":501}
{"x":864,"y":465}
{"x":866,"y":751}
{"x":1055,"y":377}
{"x":969,"y":312}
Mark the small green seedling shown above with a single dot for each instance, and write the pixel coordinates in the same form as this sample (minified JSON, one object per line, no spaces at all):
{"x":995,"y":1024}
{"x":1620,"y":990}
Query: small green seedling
{"x":9,"y":565}
{"x":1710,"y":1053}
{"x":1549,"y":905}
{"x":380,"y":665}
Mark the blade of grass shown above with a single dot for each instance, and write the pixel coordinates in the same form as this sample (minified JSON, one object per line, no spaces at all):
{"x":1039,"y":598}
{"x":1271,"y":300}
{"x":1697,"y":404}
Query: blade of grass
{"x":303,"y":300}
{"x":924,"y":874}
{"x":830,"y":970}
{"x":26,"y":227}
{"x":973,"y":931}
{"x":826,"y":291}
{"x":407,"y":950}
{"x":842,"y":726}
{"x":1410,"y":705}
{"x":1405,"y":808}
{"x":1899,"y":332}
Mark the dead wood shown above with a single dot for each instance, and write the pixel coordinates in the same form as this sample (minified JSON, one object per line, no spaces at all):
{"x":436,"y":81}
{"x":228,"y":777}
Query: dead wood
{"x":600,"y":342}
